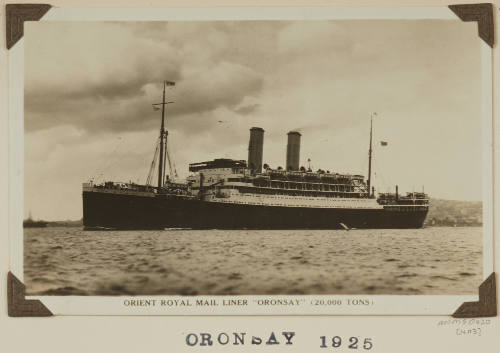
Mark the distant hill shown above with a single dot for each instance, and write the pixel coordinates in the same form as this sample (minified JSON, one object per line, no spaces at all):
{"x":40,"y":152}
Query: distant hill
{"x":454,"y":213}
{"x":67,"y":223}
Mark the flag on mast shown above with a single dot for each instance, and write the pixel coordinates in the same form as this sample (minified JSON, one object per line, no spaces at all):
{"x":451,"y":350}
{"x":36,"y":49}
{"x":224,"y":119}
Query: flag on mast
{"x":169,"y":83}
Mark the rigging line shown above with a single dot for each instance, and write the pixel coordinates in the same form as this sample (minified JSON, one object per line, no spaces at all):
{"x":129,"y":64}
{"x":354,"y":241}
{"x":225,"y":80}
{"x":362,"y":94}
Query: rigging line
{"x":172,"y":162}
{"x":155,"y":161}
{"x":106,"y":164}
{"x":154,"y":170}
{"x":170,"y":171}
{"x":138,"y":174}
{"x":112,"y":162}
{"x":149,"y":171}
{"x":153,"y":166}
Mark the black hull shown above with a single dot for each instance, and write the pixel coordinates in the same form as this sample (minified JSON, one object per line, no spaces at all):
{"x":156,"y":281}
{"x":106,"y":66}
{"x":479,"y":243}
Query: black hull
{"x":119,"y":211}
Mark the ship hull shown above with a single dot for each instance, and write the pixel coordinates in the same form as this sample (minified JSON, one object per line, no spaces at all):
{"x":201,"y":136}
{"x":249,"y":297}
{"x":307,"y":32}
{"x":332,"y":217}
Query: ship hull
{"x":121,"y":211}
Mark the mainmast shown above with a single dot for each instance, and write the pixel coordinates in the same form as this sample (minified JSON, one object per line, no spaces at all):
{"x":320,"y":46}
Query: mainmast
{"x":370,"y":157}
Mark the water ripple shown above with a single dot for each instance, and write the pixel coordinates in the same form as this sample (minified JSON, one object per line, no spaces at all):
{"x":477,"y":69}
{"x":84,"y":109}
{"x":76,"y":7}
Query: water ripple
{"x":69,"y":261}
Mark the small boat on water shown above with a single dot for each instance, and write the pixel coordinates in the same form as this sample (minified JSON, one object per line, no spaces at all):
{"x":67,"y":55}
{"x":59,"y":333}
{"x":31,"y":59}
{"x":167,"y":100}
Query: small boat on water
{"x":30,"y":223}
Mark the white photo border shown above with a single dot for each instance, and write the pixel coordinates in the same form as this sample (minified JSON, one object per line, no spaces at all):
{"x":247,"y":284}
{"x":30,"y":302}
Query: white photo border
{"x":105,"y":305}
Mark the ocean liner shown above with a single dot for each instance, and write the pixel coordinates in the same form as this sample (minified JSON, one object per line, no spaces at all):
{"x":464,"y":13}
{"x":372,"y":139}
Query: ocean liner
{"x":239,"y":194}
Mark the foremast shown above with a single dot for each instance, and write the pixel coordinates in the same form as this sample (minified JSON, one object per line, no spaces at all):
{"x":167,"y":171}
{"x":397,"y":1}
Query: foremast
{"x":163,"y":137}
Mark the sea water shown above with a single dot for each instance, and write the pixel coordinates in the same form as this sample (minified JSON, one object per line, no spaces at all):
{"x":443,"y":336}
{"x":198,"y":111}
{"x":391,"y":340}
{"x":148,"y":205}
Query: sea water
{"x":70,"y":261}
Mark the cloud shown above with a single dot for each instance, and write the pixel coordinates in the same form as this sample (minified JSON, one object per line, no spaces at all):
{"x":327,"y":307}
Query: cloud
{"x":247,"y":109}
{"x":113,"y":82}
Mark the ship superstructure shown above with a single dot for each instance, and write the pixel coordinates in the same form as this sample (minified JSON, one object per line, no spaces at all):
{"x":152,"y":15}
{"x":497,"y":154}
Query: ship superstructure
{"x":230,"y":181}
{"x":238,"y":194}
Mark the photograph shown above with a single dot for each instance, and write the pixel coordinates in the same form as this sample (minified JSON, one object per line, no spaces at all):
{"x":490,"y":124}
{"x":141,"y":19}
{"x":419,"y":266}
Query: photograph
{"x":253,"y":157}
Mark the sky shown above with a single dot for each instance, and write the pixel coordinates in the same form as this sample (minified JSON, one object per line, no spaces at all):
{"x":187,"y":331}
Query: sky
{"x":89,"y":90}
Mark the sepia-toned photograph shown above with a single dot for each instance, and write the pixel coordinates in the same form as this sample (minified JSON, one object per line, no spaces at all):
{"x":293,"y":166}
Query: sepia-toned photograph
{"x":271,"y":157}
